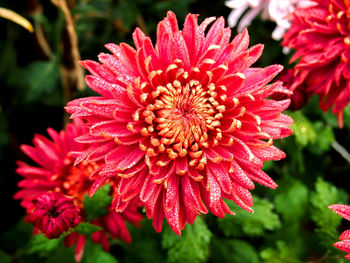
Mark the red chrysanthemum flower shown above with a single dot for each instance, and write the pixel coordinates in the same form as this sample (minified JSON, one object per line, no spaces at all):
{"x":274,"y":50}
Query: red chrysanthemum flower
{"x":298,"y":97}
{"x":344,"y":244}
{"x":182,"y":124}
{"x":321,"y":36}
{"x":56,"y":173}
{"x":53,"y":214}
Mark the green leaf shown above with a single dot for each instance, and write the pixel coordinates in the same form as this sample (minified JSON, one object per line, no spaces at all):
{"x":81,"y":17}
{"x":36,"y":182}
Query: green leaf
{"x":86,"y":228}
{"x":291,"y":198}
{"x":252,"y":224}
{"x":4,"y":258}
{"x":191,"y":247}
{"x":233,"y":251}
{"x":17,"y":236}
{"x":325,"y":137}
{"x":303,"y":130}
{"x":100,"y":256}
{"x":326,"y":194}
{"x":268,"y":165}
{"x":295,"y":157}
{"x":43,"y":246}
{"x":96,"y":5}
{"x":179,"y":7}
{"x":146,"y":241}
{"x":327,"y":221}
{"x":281,"y":254}
{"x":347,"y":116}
{"x":39,"y":79}
{"x":127,"y":12}
{"x":96,"y":205}
{"x":62,"y":254}
{"x":95,"y":254}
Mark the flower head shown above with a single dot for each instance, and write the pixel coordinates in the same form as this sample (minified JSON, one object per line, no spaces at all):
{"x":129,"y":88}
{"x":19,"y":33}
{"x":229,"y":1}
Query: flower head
{"x":344,"y":244}
{"x":53,"y":214}
{"x":182,"y":124}
{"x":278,"y":11}
{"x":56,"y":176}
{"x":323,"y":66}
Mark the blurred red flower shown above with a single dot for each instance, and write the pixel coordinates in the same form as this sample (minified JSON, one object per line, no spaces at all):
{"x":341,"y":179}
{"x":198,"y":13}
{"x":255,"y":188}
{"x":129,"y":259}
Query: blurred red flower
{"x":298,"y":96}
{"x":321,"y":36}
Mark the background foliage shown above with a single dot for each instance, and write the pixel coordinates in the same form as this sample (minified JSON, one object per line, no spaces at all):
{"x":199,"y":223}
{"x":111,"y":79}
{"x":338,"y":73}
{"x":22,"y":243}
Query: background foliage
{"x":290,"y":224}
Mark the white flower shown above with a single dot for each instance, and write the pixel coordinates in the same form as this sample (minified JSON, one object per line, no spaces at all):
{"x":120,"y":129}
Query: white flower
{"x":278,"y":11}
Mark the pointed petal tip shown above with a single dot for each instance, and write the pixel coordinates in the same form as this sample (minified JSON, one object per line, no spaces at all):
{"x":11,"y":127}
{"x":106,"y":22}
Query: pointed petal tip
{"x":331,"y":207}
{"x":176,"y":230}
{"x":273,"y":185}
{"x":81,"y":62}
{"x":170,"y":13}
{"x":343,"y":245}
{"x":84,"y":63}
{"x":336,"y":207}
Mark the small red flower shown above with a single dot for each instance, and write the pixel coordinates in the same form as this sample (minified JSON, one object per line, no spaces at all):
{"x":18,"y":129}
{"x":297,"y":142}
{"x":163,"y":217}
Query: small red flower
{"x":53,"y":214}
{"x":56,"y":173}
{"x":297,"y":94}
{"x":183,"y":124}
{"x":321,"y":36}
{"x":344,"y":244}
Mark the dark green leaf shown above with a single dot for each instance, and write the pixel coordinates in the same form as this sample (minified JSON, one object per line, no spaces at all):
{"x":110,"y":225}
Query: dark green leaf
{"x":303,"y":129}
{"x":146,"y":241}
{"x":94,"y":253}
{"x":86,"y":228}
{"x":291,"y":198}
{"x":192,"y":246}
{"x":233,"y":251}
{"x":327,"y":221}
{"x":252,"y":224}
{"x":4,"y":258}
{"x":97,"y":204}
{"x":126,"y":11}
{"x":17,"y":236}
{"x":281,"y":254}
{"x":325,"y":137}
{"x":268,"y":165}
{"x":326,"y":194}
{"x":62,"y":254}
{"x":43,"y":246}
{"x":39,"y":79}
{"x":347,"y":116}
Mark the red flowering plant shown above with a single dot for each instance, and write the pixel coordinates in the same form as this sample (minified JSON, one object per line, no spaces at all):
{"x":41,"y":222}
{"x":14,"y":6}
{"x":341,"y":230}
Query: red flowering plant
{"x":182,"y":124}
{"x":53,"y":192}
{"x":320,"y":34}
